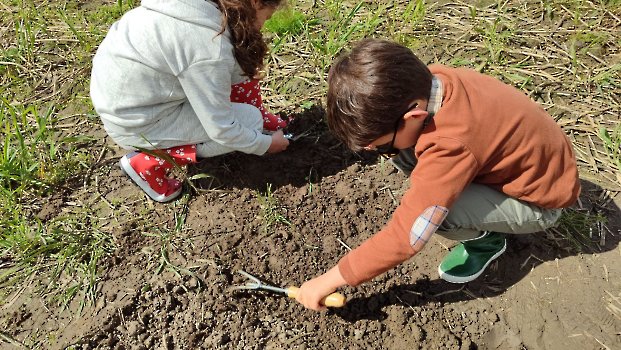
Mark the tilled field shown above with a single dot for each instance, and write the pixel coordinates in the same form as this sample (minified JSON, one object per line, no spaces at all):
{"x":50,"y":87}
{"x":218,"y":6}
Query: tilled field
{"x":538,"y":295}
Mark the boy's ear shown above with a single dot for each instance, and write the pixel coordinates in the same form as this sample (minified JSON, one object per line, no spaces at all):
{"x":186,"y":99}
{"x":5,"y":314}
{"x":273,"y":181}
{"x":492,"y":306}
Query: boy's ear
{"x":416,"y":113}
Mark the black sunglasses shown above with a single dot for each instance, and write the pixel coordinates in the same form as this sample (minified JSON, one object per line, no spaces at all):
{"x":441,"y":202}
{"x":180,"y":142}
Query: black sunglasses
{"x":391,"y":151}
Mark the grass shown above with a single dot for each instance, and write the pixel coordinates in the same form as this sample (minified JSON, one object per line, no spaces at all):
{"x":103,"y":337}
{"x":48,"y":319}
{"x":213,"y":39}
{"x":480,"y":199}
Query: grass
{"x":170,"y":240}
{"x":271,"y":211}
{"x":61,"y":259}
{"x":312,"y":179}
{"x":563,"y":54}
{"x":287,"y":21}
{"x":612,"y":144}
{"x":581,"y":229}
{"x":325,"y":31}
{"x":33,"y":156}
{"x":44,"y":84}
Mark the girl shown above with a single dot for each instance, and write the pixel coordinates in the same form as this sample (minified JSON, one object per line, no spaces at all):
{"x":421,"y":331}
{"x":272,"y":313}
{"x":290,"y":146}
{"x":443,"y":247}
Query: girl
{"x":178,"y":76}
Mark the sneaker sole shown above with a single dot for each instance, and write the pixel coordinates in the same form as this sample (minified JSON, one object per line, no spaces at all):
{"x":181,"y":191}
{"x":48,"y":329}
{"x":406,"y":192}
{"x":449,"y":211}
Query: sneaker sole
{"x":136,"y":179}
{"x":458,"y":279}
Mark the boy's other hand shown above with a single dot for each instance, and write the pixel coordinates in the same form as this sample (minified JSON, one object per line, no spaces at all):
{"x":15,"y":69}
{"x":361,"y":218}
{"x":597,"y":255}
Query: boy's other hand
{"x":311,"y":292}
{"x":279,"y":142}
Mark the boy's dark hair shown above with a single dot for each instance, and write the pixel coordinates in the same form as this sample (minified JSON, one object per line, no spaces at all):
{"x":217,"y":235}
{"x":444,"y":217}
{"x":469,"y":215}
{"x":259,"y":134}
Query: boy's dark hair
{"x":370,"y":88}
{"x":249,"y":47}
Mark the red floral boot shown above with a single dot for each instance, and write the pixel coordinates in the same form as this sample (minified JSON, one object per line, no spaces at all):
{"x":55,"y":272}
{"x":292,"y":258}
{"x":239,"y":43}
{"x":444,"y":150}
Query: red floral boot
{"x":149,"y":172}
{"x":249,"y":92}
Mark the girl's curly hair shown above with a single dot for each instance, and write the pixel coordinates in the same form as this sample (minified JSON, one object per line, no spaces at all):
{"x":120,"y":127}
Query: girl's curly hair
{"x":248,"y":45}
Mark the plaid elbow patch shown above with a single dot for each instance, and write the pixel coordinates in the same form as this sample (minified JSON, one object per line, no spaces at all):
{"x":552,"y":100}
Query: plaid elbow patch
{"x":426,"y":225}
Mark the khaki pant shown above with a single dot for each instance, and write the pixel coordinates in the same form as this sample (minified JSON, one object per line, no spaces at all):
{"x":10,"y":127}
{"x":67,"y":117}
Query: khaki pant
{"x":480,"y":208}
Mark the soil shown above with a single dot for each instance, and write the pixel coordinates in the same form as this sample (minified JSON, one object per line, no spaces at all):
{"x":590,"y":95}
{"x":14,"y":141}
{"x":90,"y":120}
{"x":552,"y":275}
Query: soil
{"x":540,"y":294}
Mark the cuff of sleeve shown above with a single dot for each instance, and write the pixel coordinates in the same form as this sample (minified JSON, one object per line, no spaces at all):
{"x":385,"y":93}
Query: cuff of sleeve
{"x":347,"y":272}
{"x":264,"y":142}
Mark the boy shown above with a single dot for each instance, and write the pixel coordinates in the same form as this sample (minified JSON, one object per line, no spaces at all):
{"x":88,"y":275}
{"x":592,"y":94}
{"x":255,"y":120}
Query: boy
{"x":483,"y":160}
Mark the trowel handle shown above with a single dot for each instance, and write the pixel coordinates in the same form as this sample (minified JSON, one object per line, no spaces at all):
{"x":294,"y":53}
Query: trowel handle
{"x":332,"y":300}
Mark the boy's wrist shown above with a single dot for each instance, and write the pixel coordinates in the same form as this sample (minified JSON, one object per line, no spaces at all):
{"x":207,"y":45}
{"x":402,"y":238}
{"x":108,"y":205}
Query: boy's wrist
{"x":334,"y":278}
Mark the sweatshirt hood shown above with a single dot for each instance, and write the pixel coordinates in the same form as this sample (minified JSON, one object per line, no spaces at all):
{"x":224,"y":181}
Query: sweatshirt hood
{"x":199,"y":12}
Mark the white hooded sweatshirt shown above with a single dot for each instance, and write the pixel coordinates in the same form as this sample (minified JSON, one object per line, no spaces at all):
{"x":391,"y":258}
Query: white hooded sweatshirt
{"x":163,"y":74}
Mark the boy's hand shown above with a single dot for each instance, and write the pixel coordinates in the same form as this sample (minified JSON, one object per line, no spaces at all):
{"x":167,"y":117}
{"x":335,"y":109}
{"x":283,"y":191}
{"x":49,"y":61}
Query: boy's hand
{"x":279,"y":142}
{"x":311,"y":292}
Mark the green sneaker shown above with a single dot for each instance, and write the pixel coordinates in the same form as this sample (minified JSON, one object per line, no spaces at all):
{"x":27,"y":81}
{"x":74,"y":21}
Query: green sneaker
{"x":468,"y":260}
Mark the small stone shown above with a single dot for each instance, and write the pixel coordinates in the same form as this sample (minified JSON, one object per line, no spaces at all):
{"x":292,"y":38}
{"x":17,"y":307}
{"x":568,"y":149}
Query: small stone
{"x":134,"y":328}
{"x":292,"y":247}
{"x":149,"y":342}
{"x":358,"y":334}
{"x":110,"y":341}
{"x":262,"y":267}
{"x":170,"y":304}
{"x":111,"y":323}
{"x":225,"y":339}
{"x":466,"y":344}
{"x":259,"y":333}
{"x":145,"y":317}
{"x":167,"y":341}
{"x":101,"y":303}
{"x":148,"y":296}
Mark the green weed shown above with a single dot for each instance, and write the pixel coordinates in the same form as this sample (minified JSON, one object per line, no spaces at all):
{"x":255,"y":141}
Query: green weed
{"x":577,"y":227}
{"x":495,"y":34}
{"x":325,"y":32}
{"x":287,"y":20}
{"x":612,"y":144}
{"x":270,"y":210}
{"x":403,"y":21}
{"x":44,"y":66}
{"x":33,"y":157}
{"x":170,"y":239}
{"x":103,"y":15}
{"x":312,"y":178}
{"x":340,"y":30}
{"x":61,"y":259}
{"x":130,"y":4}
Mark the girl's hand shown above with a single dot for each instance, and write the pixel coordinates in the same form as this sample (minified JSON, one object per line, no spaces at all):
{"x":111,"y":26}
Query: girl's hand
{"x":279,"y":142}
{"x":311,"y":292}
